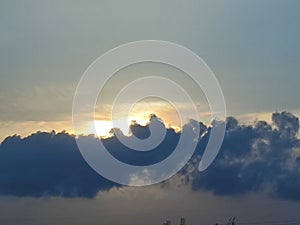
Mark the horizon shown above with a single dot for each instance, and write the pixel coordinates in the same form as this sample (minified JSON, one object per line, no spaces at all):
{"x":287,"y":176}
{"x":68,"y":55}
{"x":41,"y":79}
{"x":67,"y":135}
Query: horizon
{"x":246,"y":119}
{"x":105,"y":132}
{"x":138,"y":112}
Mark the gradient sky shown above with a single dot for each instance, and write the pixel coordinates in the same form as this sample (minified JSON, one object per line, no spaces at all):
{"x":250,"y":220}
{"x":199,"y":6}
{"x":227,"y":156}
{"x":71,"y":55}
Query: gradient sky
{"x":252,"y":47}
{"x":45,"y":46}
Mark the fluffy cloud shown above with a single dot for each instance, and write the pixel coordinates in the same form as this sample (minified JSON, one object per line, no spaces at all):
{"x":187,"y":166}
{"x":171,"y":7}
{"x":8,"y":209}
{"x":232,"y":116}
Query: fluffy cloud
{"x":256,"y":158}
{"x":47,"y":164}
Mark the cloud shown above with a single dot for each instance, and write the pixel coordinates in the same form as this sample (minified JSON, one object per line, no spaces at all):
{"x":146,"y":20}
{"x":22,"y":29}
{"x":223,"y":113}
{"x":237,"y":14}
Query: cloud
{"x":264,"y":157}
{"x":253,"y":157}
{"x":287,"y":124}
{"x":47,"y":164}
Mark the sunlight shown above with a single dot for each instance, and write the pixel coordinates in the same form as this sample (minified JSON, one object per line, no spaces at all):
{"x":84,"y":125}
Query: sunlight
{"x":103,"y":127}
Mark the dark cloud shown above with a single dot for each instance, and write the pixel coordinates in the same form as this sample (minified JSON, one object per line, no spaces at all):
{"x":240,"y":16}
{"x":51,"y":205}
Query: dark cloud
{"x":47,"y":164}
{"x":251,"y":159}
{"x":287,"y":124}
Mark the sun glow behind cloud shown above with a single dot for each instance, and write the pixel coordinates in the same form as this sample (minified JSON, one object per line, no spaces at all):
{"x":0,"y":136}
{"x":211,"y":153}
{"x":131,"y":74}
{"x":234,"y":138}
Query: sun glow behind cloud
{"x":104,"y":120}
{"x":103,"y":127}
{"x":140,"y":113}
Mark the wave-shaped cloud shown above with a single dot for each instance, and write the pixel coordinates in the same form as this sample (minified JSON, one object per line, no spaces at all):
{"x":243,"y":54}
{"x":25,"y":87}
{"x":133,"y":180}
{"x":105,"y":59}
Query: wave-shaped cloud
{"x":253,"y":158}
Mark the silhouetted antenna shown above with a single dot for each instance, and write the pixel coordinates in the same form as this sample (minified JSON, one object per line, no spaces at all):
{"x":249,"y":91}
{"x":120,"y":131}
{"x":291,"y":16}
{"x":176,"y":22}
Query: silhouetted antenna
{"x":168,"y":222}
{"x":231,"y":221}
{"x":182,"y":221}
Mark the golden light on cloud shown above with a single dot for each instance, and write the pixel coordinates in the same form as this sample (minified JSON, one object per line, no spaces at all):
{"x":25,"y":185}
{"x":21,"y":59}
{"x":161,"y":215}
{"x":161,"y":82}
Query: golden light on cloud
{"x":103,"y":122}
{"x":140,"y":113}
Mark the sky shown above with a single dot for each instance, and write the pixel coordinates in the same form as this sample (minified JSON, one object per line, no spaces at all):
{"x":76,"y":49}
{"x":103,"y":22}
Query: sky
{"x":45,"y":46}
{"x":251,"y":46}
{"x":45,"y":180}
